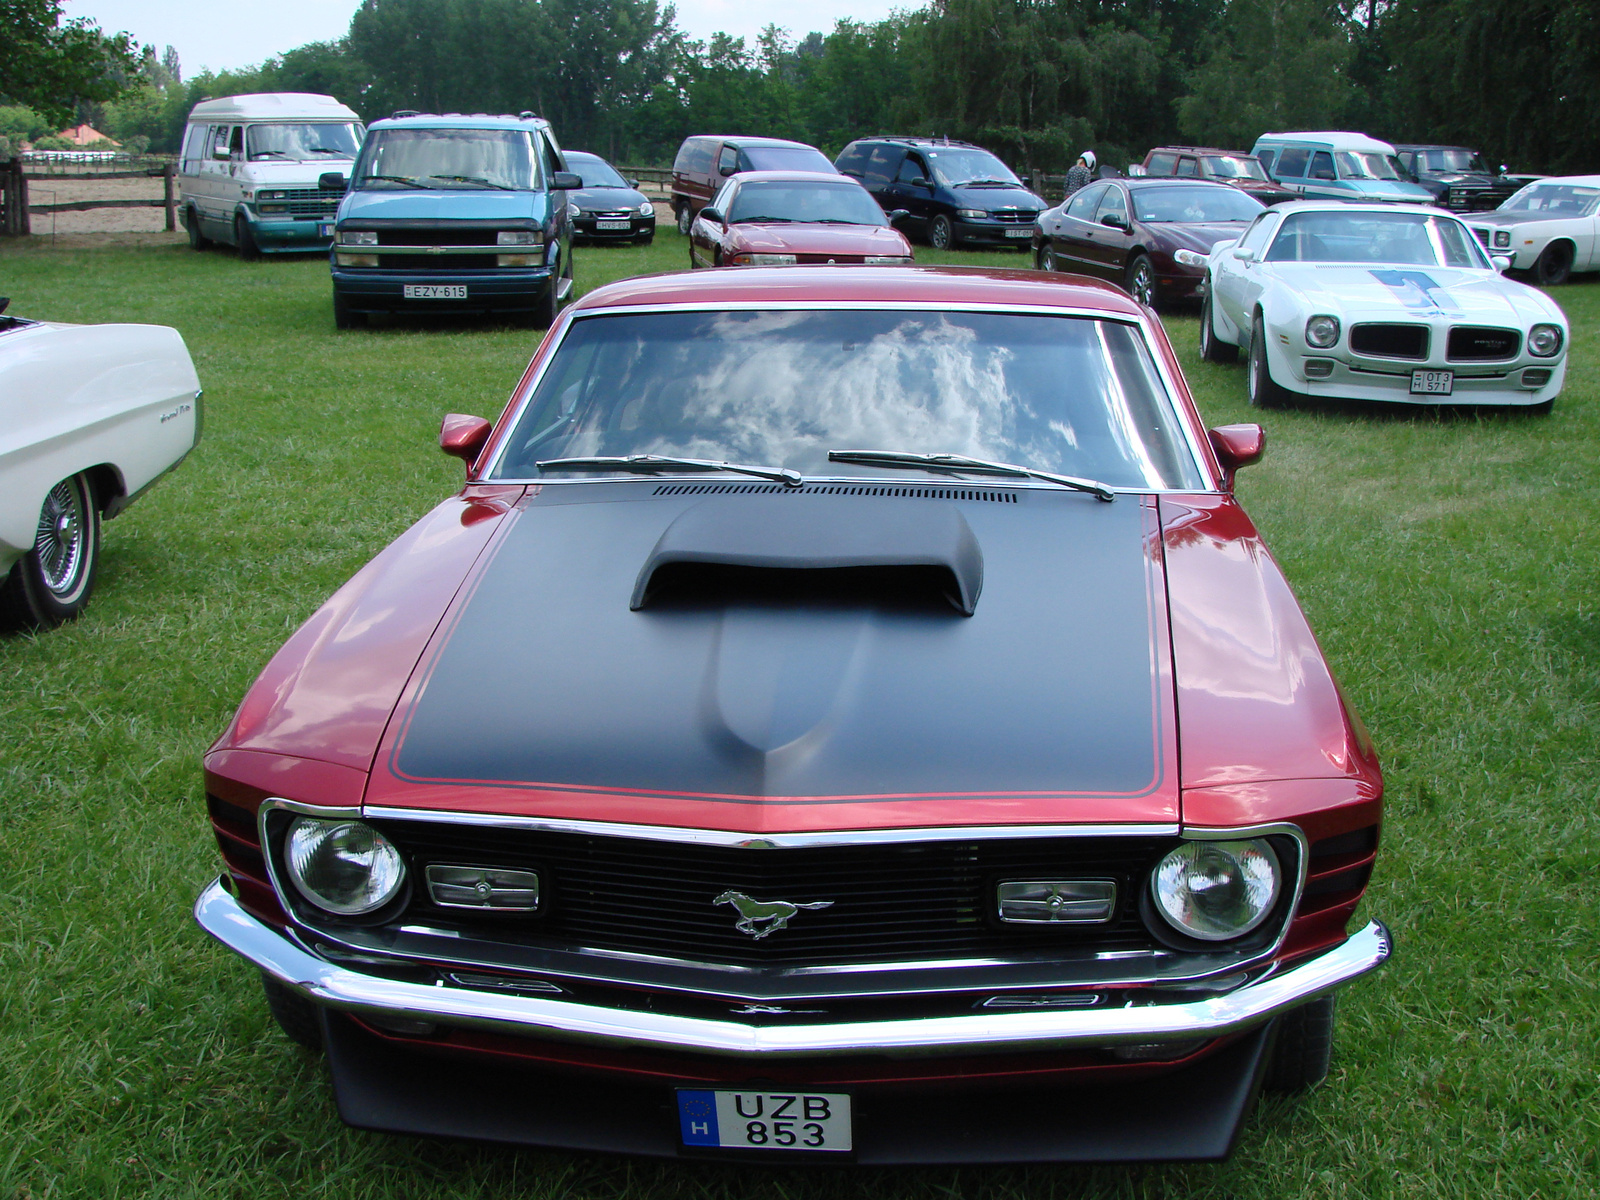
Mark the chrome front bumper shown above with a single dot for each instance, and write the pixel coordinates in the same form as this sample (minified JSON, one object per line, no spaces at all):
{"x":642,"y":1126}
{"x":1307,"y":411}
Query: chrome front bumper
{"x":326,"y":983}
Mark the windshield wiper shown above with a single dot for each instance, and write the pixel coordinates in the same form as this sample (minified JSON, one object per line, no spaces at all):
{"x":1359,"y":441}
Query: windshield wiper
{"x":489,"y":183}
{"x":409,"y":182}
{"x":666,"y":462}
{"x":264,"y":153}
{"x":989,"y":183}
{"x":960,"y":462}
{"x":763,"y":221}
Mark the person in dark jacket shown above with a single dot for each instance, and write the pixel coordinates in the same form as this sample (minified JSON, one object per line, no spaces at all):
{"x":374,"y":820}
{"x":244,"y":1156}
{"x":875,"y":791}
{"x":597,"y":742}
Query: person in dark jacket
{"x":1082,"y":171}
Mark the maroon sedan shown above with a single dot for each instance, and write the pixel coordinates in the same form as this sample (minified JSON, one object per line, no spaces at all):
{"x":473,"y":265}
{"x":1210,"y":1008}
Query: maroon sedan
{"x":781,"y":218}
{"x":1152,"y":236}
{"x":845,"y":716}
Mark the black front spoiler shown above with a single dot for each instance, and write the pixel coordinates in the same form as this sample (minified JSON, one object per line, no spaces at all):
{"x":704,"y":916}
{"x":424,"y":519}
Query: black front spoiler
{"x":1191,"y":1114}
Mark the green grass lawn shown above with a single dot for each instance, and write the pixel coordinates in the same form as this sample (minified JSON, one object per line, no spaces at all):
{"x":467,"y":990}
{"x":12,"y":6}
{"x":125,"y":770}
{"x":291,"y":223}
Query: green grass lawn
{"x":1449,"y":565}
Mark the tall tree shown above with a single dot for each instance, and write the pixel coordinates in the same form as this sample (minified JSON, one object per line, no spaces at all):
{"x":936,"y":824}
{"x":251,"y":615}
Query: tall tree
{"x":51,"y":67}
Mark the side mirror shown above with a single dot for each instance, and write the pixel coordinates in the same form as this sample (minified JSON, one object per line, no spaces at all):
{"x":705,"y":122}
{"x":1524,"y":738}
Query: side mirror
{"x":566,"y":181}
{"x":1237,"y":446}
{"x":713,"y":216}
{"x":633,"y":183}
{"x":922,"y":183}
{"x":220,"y":153}
{"x":899,"y":214}
{"x":332,"y":181}
{"x":1115,"y":222}
{"x":727,"y":171}
{"x":1502,"y":262}
{"x":1244,"y":254}
{"x":463,"y":437}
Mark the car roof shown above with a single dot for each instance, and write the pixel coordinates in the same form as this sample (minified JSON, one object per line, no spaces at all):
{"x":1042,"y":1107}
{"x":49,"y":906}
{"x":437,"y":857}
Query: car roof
{"x":915,"y":140}
{"x":1346,"y":139}
{"x":461,"y":121}
{"x":1578,"y":180}
{"x":584,"y":154}
{"x":273,"y":106}
{"x":949,"y":287}
{"x":1346,"y":206}
{"x":1431,"y":146}
{"x":832,"y":178}
{"x":739,"y":139}
{"x":1160,"y":181}
{"x":1200,"y":150}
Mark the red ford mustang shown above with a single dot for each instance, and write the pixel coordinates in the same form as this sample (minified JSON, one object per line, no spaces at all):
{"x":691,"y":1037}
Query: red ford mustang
{"x":834,"y":697}
{"x":784,"y":218}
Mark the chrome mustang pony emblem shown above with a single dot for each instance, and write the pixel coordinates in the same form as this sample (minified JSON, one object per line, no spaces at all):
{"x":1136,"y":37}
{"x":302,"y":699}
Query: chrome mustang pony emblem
{"x":761,"y":917}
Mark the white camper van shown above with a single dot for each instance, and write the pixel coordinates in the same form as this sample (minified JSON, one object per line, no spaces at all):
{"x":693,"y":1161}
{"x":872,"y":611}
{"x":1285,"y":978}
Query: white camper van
{"x":250,"y":168}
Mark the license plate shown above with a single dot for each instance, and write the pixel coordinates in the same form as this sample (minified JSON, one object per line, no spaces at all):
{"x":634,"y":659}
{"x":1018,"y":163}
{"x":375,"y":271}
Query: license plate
{"x":325,"y":230}
{"x":1432,"y":383}
{"x":1019,"y":233}
{"x":435,"y":291}
{"x":613,"y":224}
{"x":815,"y":1121}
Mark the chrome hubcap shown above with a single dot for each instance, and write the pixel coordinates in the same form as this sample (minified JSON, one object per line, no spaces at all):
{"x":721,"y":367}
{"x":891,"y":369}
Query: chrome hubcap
{"x":60,"y":540}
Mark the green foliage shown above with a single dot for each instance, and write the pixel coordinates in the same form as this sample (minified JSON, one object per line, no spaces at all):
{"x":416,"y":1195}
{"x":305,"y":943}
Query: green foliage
{"x":23,"y":124}
{"x":50,"y":67}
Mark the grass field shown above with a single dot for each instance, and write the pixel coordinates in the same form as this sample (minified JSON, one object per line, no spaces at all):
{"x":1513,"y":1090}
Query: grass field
{"x":1448,"y":563}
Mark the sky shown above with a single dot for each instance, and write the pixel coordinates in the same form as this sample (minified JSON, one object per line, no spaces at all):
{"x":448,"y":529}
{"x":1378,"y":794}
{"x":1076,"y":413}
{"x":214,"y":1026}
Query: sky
{"x":209,"y":34}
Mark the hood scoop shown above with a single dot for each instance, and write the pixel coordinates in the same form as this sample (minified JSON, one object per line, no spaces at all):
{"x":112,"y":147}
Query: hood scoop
{"x":834,"y":550}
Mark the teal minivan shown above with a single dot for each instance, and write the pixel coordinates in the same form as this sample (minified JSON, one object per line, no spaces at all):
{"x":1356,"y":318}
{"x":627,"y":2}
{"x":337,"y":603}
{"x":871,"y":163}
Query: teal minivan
{"x":454,"y":214}
{"x":1337,"y":166}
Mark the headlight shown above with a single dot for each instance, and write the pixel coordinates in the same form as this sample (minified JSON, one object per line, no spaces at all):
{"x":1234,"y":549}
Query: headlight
{"x":897,"y":260}
{"x":1322,"y":332}
{"x":1502,"y":238}
{"x":345,"y":867}
{"x":276,"y":194}
{"x":647,"y":209}
{"x":971,"y":214}
{"x":517,"y":237}
{"x":1544,"y":341}
{"x":1216,"y":890}
{"x":358,"y":237}
{"x":272,"y":208}
{"x":763,"y":260}
{"x":1189,"y":258}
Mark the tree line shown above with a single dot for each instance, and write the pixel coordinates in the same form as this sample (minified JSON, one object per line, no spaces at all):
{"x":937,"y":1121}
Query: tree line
{"x":1038,"y":81}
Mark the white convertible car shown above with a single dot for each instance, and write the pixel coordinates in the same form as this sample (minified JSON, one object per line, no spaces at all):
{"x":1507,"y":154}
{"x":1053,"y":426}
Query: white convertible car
{"x":90,"y":417}
{"x":1550,"y":228}
{"x":1378,"y":302}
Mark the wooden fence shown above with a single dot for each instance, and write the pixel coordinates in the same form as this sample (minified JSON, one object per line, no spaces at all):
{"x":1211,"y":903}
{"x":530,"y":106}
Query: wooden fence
{"x":15,"y":176}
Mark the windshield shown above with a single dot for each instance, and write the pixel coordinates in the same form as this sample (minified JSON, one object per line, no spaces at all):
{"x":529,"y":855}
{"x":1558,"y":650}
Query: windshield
{"x":1065,"y":394}
{"x":1554,"y":200}
{"x":302,"y":142}
{"x":448,"y":158}
{"x":1398,"y":239}
{"x":1229,"y":167}
{"x":1360,"y":165}
{"x":596,"y":172}
{"x":958,"y":167}
{"x":1193,"y":204}
{"x":1452,"y":160}
{"x":841,"y":203}
{"x":786,"y":158}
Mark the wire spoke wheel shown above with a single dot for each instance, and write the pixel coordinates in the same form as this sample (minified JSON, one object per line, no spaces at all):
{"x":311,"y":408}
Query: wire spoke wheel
{"x":62,"y":539}
{"x":50,"y":583}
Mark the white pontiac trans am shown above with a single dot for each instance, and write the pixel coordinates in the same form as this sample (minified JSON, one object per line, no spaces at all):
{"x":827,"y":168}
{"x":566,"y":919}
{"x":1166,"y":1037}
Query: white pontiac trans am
{"x":90,"y":417}
{"x":1550,"y":228}
{"x":1378,"y":302}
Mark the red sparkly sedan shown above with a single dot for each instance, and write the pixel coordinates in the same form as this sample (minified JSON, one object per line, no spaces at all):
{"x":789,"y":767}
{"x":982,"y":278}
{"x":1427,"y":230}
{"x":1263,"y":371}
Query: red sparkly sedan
{"x":844,"y":716}
{"x":784,"y":218}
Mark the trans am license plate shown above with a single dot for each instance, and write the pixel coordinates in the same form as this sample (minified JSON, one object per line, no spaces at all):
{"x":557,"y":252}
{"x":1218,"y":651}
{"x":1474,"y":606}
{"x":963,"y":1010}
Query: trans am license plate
{"x":818,"y":1121}
{"x":435,"y":291}
{"x":613,"y":224}
{"x":1432,"y":383}
{"x":1019,"y":233}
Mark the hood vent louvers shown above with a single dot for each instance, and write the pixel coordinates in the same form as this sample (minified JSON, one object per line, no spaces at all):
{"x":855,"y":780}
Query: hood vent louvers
{"x":835,"y":489}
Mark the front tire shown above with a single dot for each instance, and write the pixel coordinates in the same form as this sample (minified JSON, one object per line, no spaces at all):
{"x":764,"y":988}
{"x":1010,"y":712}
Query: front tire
{"x":1554,"y":266}
{"x":51,"y":582}
{"x":245,"y":238}
{"x":1264,"y":390}
{"x":1047,"y":260}
{"x":1304,"y":1048}
{"x":1142,"y":280}
{"x":191,"y":221}
{"x":685,"y":219}
{"x":941,"y":233}
{"x":1211,"y":349}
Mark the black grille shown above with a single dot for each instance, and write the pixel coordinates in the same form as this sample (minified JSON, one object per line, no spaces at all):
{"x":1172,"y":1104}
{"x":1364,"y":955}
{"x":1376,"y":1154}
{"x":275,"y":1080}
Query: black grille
{"x":440,"y":262}
{"x":438,"y":236}
{"x":1021,"y":216}
{"x":313,"y":202}
{"x":1470,"y":343}
{"x":924,"y":900}
{"x":837,"y":489}
{"x":1390,"y":341}
{"x":1483,"y":236}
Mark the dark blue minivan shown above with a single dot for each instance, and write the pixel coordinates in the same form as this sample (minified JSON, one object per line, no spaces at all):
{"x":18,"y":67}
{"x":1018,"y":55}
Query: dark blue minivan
{"x":949,"y":192}
{"x":458,"y":214}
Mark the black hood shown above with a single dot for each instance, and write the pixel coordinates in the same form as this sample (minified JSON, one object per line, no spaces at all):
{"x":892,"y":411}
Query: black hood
{"x":744,"y":640}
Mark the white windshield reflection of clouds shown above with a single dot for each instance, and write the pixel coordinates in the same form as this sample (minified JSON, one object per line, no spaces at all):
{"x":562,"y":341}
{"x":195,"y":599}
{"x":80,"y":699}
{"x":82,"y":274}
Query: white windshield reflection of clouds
{"x":1070,"y":395}
{"x":446,"y":158}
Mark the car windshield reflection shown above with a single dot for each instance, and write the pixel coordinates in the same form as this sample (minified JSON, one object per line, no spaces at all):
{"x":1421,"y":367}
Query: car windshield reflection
{"x":1397,"y":239}
{"x":1193,"y":204}
{"x":1069,"y":395}
{"x":829,"y":203}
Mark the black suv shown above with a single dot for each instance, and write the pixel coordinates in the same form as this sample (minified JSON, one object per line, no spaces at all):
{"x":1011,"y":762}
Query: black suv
{"x":952,"y":192}
{"x":1459,"y":178}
